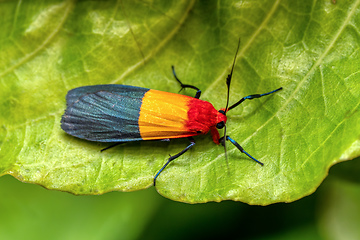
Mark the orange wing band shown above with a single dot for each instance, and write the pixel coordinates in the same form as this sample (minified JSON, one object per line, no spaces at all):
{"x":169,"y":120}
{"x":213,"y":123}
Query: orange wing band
{"x":164,"y":115}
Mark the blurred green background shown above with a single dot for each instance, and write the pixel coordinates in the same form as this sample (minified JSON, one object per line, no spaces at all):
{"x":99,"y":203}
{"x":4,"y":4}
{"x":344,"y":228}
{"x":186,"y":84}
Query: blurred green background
{"x":31,"y":212}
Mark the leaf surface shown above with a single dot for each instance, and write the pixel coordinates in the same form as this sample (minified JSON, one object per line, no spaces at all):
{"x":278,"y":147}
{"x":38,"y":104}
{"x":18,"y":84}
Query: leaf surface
{"x":309,"y":48}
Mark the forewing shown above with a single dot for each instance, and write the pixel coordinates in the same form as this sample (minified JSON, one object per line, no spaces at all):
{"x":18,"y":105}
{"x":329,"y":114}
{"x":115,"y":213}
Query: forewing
{"x":104,"y":113}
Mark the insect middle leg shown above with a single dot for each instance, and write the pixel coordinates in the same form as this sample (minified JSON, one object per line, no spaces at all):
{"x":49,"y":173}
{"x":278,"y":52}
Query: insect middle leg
{"x":183,"y":86}
{"x":192,"y":143}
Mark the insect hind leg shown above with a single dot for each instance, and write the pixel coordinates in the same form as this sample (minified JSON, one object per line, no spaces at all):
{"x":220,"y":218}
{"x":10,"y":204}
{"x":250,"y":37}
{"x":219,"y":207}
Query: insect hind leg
{"x":192,"y":143}
{"x":183,"y":86}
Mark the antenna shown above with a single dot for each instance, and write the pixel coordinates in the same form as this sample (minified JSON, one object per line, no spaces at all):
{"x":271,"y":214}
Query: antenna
{"x":228,"y":81}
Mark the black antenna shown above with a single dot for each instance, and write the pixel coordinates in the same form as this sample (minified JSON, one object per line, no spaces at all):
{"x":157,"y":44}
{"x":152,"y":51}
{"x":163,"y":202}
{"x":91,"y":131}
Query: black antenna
{"x":227,"y":108}
{"x":228,"y":79}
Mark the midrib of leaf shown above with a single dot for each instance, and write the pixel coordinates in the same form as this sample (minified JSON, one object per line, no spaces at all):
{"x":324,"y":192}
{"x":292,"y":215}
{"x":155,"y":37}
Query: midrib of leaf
{"x":42,"y":46}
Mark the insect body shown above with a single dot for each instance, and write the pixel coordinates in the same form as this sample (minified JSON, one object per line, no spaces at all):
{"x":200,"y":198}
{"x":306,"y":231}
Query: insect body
{"x":120,"y":113}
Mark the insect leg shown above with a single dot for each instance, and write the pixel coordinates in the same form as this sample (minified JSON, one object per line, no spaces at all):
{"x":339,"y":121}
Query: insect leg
{"x":252,"y":97}
{"x":241,"y":149}
{"x":192,"y":143}
{"x":111,"y":146}
{"x":198,"y":93}
{"x":118,"y":143}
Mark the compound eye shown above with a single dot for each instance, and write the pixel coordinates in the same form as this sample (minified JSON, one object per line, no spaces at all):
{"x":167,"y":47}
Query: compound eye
{"x":222,"y":111}
{"x":220,"y":125}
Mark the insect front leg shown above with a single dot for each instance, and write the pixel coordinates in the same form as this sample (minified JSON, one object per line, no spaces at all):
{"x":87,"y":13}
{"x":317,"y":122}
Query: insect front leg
{"x":183,"y":86}
{"x":192,"y":143}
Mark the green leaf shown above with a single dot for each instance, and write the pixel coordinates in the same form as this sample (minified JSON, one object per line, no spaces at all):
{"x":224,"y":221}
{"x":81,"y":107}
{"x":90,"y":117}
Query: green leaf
{"x":310,"y":48}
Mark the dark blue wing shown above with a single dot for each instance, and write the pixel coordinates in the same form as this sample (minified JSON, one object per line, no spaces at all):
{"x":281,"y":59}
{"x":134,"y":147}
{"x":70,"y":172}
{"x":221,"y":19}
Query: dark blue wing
{"x":104,"y":113}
